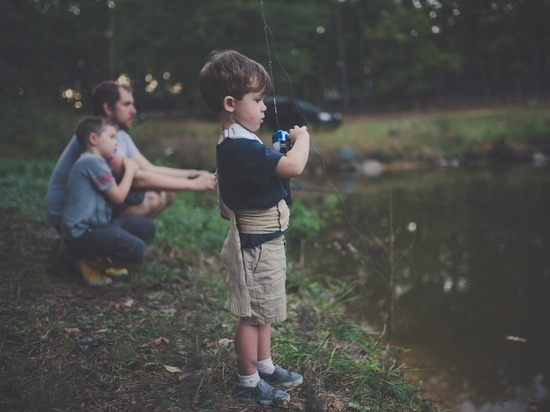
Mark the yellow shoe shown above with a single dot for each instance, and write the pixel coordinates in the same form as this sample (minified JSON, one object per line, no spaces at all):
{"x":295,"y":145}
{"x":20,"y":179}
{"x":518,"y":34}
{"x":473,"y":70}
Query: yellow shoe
{"x":111,"y":270}
{"x":90,"y":269}
{"x":114,"y":272}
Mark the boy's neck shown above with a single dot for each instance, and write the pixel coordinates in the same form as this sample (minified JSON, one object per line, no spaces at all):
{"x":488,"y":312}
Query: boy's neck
{"x":226,"y":120}
{"x":93,"y":150}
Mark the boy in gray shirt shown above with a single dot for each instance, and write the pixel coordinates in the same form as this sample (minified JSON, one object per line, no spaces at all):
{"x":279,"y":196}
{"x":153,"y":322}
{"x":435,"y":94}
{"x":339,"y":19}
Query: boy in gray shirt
{"x":93,"y":238}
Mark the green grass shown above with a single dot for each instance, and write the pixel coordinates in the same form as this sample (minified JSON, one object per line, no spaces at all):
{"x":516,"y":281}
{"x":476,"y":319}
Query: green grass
{"x":408,"y":136}
{"x":438,"y":135}
{"x":161,"y":340}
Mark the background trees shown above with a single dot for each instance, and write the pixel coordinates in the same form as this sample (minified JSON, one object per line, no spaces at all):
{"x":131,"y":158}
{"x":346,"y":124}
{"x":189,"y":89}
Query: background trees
{"x":352,"y":54}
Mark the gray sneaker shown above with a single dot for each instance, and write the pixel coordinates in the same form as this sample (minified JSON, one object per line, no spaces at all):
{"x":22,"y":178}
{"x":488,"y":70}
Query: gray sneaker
{"x":263,"y":393}
{"x":282,"y":377}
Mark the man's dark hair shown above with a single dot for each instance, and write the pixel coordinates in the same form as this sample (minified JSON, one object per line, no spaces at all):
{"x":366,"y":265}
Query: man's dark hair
{"x":229,"y":73}
{"x":106,"y":92}
{"x":89,"y":125}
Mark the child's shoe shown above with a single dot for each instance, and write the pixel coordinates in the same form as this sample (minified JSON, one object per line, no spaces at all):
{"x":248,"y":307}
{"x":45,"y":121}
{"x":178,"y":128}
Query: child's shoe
{"x":113,"y":271}
{"x":282,"y":377}
{"x":263,"y":393}
{"x":90,"y":269}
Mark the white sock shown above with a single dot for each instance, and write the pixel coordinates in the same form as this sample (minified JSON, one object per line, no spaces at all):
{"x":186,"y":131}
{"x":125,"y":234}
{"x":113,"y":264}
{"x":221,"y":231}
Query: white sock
{"x":266,"y":366}
{"x":249,"y":381}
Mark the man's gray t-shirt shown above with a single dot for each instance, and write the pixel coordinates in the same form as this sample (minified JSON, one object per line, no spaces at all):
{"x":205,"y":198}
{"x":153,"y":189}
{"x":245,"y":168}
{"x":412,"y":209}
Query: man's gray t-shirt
{"x":85,"y":206}
{"x":58,"y":179}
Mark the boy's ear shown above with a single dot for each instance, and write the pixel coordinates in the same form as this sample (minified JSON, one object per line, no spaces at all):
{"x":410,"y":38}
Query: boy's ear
{"x":92,"y":139}
{"x":229,"y":103}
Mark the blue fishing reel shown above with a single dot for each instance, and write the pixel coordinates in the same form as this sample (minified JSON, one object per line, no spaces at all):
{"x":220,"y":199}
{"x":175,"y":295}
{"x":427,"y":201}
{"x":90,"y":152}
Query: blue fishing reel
{"x":281,"y":142}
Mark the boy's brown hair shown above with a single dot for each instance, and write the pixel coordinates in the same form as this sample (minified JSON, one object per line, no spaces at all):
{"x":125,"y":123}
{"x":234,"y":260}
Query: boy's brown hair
{"x":89,"y":125}
{"x":229,"y":73}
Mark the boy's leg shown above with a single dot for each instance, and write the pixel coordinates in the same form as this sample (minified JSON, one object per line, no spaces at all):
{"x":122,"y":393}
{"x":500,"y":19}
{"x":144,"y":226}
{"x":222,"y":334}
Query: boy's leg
{"x":264,"y":342}
{"x":251,"y":387}
{"x":112,"y":241}
{"x":246,"y":348}
{"x":153,"y":204}
{"x":141,"y":227}
{"x":94,"y":271}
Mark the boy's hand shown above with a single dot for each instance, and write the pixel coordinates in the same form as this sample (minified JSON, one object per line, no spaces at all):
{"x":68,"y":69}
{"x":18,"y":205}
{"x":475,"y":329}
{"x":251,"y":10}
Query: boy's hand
{"x":129,"y":165}
{"x":296,"y":132}
{"x":294,"y":161}
{"x":117,"y":166}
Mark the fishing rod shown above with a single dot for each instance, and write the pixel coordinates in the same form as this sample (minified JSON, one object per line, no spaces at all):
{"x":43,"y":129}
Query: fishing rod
{"x":281,"y":136}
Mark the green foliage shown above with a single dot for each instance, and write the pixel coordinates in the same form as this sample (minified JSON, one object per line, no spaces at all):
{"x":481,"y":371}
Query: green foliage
{"x":34,"y":128}
{"x":334,"y":352}
{"x":414,"y":58}
{"x":24,"y":184}
{"x":305,"y":223}
{"x":391,"y":48}
{"x":189,"y":31}
{"x":192,"y":223}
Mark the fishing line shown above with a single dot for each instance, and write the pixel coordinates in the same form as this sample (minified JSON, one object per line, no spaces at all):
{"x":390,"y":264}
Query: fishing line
{"x":270,"y":63}
{"x":268,"y":33}
{"x":267,"y":30}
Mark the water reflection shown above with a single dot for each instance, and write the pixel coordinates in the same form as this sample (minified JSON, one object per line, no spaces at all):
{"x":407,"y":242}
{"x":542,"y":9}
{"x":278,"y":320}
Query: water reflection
{"x":469,"y":250}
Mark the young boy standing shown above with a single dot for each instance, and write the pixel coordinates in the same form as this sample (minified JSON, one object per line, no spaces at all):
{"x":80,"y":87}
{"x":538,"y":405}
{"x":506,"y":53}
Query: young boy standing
{"x":252,"y":194}
{"x":86,"y":221}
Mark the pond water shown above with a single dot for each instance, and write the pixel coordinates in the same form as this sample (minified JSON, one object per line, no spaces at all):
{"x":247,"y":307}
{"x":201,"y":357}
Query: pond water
{"x":470,"y":260}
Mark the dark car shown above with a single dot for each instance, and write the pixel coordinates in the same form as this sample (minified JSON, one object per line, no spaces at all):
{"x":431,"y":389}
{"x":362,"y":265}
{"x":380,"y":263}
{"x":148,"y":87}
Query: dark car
{"x":293,"y":112}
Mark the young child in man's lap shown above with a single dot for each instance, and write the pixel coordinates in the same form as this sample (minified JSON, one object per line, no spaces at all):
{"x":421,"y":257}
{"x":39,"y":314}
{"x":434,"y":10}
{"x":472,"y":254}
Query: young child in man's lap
{"x":99,"y":243}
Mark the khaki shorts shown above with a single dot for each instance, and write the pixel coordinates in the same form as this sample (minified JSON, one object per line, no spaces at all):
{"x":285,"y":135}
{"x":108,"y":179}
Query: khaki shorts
{"x":265,"y":271}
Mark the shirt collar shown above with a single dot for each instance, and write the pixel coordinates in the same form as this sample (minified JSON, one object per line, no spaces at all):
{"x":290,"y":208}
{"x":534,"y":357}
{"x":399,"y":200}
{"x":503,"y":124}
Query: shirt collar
{"x":236,"y":131}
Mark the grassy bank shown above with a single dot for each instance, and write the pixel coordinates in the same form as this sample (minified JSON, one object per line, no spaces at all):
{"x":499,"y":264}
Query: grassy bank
{"x":430,"y":138}
{"x":160,"y":340}
{"x":499,"y":135}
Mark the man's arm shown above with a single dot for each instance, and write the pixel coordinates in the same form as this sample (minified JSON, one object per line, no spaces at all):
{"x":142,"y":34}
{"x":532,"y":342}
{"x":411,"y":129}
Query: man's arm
{"x":151,"y":177}
{"x":154,"y":180}
{"x":145,"y":164}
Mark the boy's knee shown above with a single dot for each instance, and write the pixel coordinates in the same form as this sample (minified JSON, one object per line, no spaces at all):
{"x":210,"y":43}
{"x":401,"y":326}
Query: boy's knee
{"x":135,"y":253}
{"x":156,"y":202}
{"x":168,"y":198}
{"x":153,"y":204}
{"x":149,"y":231}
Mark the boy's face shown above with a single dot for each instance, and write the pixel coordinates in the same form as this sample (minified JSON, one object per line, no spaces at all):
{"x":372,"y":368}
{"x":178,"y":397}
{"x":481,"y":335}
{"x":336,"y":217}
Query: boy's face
{"x":106,"y":143}
{"x":250,"y":111}
{"x":125,"y":110}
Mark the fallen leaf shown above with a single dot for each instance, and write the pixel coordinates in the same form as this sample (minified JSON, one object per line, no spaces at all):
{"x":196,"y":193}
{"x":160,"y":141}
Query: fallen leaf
{"x":172,"y":369}
{"x":129,"y":302}
{"x":161,"y":340}
{"x":225,"y":341}
{"x":156,"y":342}
{"x":515,"y":339}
